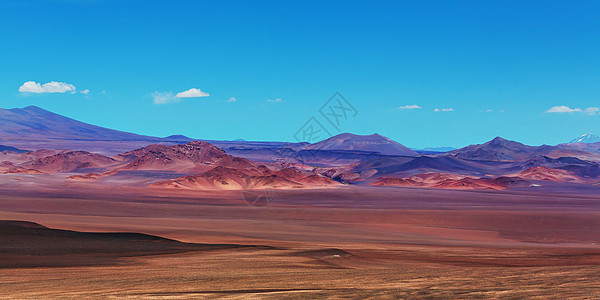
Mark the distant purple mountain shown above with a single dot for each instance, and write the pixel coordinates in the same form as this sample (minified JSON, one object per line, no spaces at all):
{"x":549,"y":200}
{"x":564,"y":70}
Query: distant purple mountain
{"x":178,"y":138}
{"x":438,"y":149}
{"x":33,"y":128}
{"x":364,"y":143}
{"x":500,"y":149}
{"x":11,"y":149}
{"x":433,"y":150}
{"x":33,"y":122}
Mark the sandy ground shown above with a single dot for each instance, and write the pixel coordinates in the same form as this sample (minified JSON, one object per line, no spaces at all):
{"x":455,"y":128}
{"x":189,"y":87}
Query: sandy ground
{"x":346,"y":243}
{"x":279,"y":274}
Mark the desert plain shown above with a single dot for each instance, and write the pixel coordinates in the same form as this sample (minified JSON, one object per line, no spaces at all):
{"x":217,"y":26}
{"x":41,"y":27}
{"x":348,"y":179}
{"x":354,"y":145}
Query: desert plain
{"x":342,"y":243}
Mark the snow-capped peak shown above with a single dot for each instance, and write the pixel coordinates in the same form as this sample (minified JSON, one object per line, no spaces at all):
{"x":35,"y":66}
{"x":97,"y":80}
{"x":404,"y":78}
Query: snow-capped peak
{"x":587,"y":138}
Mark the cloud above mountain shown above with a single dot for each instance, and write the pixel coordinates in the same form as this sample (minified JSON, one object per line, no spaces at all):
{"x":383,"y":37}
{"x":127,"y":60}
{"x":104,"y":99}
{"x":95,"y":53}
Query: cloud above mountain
{"x":50,"y":87}
{"x":169,"y":97}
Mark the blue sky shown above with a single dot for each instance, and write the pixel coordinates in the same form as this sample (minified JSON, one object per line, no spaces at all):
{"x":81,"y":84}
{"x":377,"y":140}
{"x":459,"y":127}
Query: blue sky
{"x":499,"y":65}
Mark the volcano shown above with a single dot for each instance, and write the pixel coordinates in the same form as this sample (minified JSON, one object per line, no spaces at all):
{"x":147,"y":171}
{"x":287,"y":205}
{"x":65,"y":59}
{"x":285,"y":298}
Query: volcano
{"x":374,"y":143}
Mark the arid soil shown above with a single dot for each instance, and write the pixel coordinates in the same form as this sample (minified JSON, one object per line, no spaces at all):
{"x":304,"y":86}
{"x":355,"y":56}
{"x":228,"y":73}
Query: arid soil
{"x":356,"y":242}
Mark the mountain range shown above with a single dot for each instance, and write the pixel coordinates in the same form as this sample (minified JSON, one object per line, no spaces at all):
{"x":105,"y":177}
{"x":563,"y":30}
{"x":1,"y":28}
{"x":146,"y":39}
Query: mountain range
{"x":83,"y":152}
{"x":500,"y":149}
{"x":33,"y":128}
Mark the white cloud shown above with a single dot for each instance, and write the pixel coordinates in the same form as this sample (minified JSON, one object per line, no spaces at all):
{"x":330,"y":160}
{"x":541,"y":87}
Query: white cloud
{"x":443,"y":109}
{"x":164,"y":98}
{"x":192,"y":93}
{"x":232,"y":99}
{"x":50,"y":87}
{"x":592,"y":110}
{"x":563,"y":109}
{"x":169,"y":97}
{"x":276,"y":100}
{"x":414,"y":106}
{"x":85,"y":92}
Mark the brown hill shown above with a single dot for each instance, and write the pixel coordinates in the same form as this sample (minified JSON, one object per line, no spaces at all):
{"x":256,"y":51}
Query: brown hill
{"x":19,"y":158}
{"x":424,"y":179}
{"x":395,"y":181}
{"x":549,"y":174}
{"x":197,"y":156}
{"x":453,"y":181}
{"x":89,"y":176}
{"x":7,"y":167}
{"x":237,"y":179}
{"x":435,"y":177}
{"x":469,"y":183}
{"x":66,"y":161}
